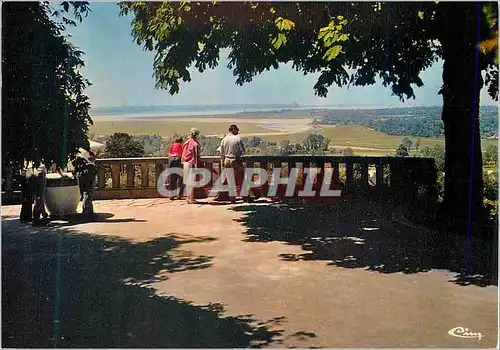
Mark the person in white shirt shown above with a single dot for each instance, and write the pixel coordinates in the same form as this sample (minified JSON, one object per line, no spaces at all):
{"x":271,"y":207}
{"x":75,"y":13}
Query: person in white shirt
{"x":232,"y":149}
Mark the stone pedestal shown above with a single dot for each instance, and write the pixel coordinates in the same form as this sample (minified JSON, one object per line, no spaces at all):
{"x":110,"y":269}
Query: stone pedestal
{"x":62,"y":194}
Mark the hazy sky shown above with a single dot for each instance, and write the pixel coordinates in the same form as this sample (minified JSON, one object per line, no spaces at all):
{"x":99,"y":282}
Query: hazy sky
{"x":121,"y":74}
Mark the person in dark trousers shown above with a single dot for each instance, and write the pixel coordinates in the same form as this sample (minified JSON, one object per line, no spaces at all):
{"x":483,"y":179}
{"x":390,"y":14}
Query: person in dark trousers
{"x":26,"y":196}
{"x":32,"y":190}
{"x":39,"y":182}
{"x":232,"y":149}
{"x":85,"y":172}
{"x":174,"y":161}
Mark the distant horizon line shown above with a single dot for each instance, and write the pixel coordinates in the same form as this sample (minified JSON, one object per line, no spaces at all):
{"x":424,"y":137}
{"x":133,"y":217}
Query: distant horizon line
{"x":272,"y":105}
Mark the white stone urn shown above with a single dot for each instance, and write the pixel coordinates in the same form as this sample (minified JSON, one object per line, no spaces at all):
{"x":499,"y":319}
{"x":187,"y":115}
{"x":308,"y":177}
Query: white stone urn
{"x":62,"y":194}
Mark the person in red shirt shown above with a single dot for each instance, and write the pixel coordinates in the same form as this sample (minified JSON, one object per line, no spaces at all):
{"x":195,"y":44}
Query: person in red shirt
{"x":174,"y":161}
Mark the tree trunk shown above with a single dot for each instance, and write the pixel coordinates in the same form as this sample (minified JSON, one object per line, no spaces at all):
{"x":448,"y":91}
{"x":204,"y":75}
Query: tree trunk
{"x":463,"y":26}
{"x":9,"y":172}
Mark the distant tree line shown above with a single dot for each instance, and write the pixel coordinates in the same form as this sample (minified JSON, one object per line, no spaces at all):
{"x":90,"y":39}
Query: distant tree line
{"x":414,"y":121}
{"x":314,"y":144}
{"x":151,"y":143}
{"x":123,"y":145}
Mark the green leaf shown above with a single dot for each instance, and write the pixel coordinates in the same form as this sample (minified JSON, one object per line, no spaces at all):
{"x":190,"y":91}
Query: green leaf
{"x":284,"y":24}
{"x":279,"y":41}
{"x":278,"y":22}
{"x":332,"y":52}
{"x":179,"y":20}
{"x":324,"y":32}
{"x":273,"y":11}
{"x":343,"y":37}
{"x":421,"y":14}
{"x":340,"y":18}
{"x":288,"y":24}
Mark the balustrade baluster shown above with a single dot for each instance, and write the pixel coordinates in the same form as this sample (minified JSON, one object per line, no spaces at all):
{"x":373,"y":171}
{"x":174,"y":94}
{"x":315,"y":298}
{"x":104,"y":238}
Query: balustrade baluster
{"x":379,"y":176}
{"x":348,"y":174}
{"x":115,"y":175}
{"x":335,"y":172}
{"x":364,"y":175}
{"x":144,"y":175}
{"x":101,"y":177}
{"x":159,"y":167}
{"x":130,"y":174}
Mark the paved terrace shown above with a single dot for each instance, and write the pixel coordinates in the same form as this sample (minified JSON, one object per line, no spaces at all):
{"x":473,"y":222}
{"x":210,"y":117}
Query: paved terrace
{"x":156,"y":273}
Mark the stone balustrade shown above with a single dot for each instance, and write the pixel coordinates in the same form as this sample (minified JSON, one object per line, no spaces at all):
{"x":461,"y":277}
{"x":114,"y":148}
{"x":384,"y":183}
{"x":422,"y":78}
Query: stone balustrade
{"x":402,"y":177}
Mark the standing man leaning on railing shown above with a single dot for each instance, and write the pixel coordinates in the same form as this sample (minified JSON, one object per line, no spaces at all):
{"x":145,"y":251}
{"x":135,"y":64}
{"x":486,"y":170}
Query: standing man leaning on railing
{"x":232,"y":149}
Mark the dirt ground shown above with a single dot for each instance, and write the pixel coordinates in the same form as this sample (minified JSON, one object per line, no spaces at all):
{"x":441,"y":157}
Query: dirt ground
{"x":161,"y":273}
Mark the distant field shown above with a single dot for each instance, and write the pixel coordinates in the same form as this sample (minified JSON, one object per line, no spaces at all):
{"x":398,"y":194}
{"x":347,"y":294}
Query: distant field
{"x":362,"y":140}
{"x":208,"y":126}
{"x":355,"y":136}
{"x":360,"y":136}
{"x":167,"y":128}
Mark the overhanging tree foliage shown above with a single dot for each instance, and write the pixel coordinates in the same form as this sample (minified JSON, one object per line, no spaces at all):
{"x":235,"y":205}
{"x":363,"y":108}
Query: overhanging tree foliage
{"x":347,"y":44}
{"x":45,"y":113}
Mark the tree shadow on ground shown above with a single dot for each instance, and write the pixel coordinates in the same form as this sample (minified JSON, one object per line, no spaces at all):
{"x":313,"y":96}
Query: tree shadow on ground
{"x":76,"y":219}
{"x":362,"y":234}
{"x":96,"y":287}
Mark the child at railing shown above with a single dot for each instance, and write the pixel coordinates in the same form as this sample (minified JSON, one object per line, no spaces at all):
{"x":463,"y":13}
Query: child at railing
{"x":174,"y":181}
